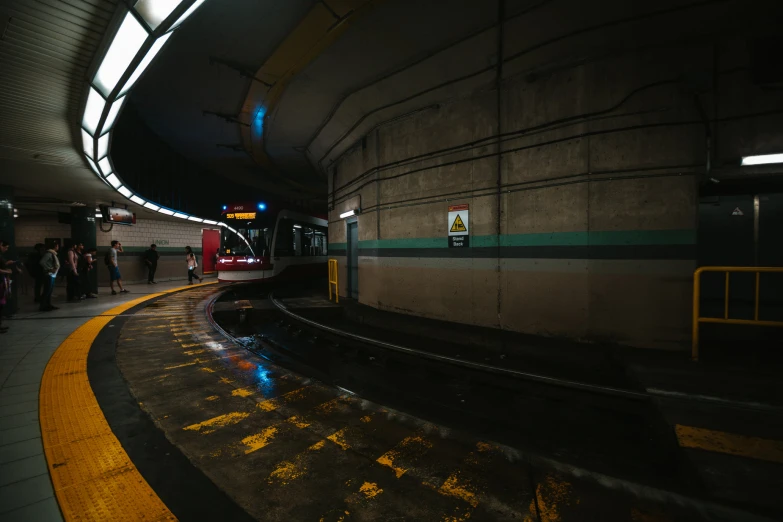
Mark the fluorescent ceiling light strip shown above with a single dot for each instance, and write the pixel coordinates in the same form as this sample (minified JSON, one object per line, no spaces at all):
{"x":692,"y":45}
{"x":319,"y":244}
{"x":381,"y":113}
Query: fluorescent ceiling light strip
{"x":166,"y":211}
{"x":347,"y":214}
{"x":208,"y":222}
{"x":93,"y":111}
{"x":186,"y":14}
{"x":113,"y":180}
{"x":127,"y":42}
{"x":93,"y":166}
{"x":198,"y":220}
{"x":124,"y":191}
{"x":103,"y":146}
{"x":87,"y":143}
{"x":105,"y":166}
{"x":151,"y":206}
{"x":114,"y":110}
{"x":180,"y":215}
{"x":137,"y":200}
{"x":154,"y":12}
{"x":145,"y":62}
{"x":763,"y":159}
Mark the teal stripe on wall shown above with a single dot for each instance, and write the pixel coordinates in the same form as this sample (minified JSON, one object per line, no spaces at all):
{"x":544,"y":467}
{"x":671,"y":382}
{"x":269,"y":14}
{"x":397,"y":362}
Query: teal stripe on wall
{"x":607,"y":238}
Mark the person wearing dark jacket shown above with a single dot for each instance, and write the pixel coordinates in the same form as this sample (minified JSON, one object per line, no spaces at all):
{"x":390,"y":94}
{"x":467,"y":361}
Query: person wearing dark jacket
{"x":50,"y":264}
{"x":151,"y":257}
{"x":33,"y":265}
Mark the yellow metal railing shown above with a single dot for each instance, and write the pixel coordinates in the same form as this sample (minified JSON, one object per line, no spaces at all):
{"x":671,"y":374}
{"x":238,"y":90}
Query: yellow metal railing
{"x":333,"y":280}
{"x":697,"y":319}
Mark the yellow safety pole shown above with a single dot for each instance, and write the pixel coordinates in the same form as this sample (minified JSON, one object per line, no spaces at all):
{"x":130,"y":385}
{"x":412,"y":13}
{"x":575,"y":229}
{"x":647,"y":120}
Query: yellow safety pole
{"x":726,"y":298}
{"x":756,"y":311}
{"x":695,"y":326}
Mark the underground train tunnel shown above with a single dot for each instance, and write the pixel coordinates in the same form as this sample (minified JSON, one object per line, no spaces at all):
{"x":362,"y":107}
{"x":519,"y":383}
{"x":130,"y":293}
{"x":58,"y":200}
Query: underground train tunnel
{"x":391,"y":260}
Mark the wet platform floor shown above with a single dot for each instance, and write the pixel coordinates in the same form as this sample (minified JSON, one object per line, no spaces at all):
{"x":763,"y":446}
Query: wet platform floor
{"x":285,"y":447}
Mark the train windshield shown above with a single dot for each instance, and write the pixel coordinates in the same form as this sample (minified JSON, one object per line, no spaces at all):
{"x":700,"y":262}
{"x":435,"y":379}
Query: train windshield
{"x":259,"y":239}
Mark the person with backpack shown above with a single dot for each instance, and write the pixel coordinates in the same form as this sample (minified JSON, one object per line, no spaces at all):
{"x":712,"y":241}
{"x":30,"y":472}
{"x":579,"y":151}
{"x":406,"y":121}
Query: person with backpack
{"x":114,"y":267}
{"x":192,"y":265}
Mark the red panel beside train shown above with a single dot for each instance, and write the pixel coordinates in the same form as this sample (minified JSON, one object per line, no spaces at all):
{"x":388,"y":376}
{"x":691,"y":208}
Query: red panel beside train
{"x":264,"y":243}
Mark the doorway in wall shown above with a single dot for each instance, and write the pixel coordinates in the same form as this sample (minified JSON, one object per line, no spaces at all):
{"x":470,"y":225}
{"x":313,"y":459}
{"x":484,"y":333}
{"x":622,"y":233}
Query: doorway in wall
{"x":353,"y":260}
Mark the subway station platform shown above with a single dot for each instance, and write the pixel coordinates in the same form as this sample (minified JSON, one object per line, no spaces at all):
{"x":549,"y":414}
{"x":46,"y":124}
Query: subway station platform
{"x":197,"y":403}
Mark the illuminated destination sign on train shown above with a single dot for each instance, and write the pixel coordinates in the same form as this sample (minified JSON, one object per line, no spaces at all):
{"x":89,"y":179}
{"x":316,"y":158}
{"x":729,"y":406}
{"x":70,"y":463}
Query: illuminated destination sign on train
{"x":241,"y":215}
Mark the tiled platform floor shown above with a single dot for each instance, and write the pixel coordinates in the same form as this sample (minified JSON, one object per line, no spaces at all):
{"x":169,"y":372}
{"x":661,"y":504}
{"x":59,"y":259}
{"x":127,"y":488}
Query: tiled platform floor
{"x":25,"y":487}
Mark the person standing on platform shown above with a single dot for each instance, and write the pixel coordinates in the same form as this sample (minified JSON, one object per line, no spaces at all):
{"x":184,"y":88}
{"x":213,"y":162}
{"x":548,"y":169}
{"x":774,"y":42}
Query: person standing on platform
{"x":5,"y":282}
{"x":114,"y":267}
{"x":85,"y":268}
{"x":192,"y":265}
{"x":74,"y":289}
{"x":50,"y":265}
{"x":151,"y":257}
{"x":36,"y":272}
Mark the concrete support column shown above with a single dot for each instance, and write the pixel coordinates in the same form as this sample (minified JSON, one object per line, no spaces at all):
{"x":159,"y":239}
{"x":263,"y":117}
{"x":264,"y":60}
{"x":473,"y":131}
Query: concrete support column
{"x":83,"y":231}
{"x":7,"y":234}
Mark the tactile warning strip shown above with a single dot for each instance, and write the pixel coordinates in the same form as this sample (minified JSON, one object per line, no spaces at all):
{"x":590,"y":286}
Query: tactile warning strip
{"x":93,"y":477}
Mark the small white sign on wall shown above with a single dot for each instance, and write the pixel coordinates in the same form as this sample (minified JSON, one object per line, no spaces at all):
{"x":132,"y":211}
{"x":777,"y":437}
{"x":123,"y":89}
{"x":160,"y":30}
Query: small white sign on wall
{"x":459,"y":226}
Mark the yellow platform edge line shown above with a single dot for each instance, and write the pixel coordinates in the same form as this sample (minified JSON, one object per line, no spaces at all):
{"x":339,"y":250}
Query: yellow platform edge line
{"x":730,"y":443}
{"x":93,"y":476}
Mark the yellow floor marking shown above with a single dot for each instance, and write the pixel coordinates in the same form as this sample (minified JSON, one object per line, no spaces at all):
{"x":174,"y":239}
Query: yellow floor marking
{"x":179,"y":366}
{"x":244,"y":392}
{"x":259,"y":440}
{"x":646,"y":516}
{"x":213,"y":397}
{"x":213,"y":424}
{"x":454,"y":487}
{"x":273,"y":404}
{"x":551,"y":494}
{"x":366,"y":418}
{"x":730,"y":443}
{"x":226,"y":380}
{"x":338,"y":437}
{"x":288,"y":471}
{"x":190,"y":345}
{"x":92,"y":475}
{"x":208,"y":370}
{"x":370,"y":489}
{"x":298,"y":422}
{"x":194,"y":352}
{"x":388,"y":458}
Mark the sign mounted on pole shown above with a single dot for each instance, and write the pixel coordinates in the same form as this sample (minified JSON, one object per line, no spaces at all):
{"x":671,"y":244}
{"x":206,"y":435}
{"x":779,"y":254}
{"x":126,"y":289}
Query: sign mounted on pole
{"x":459,"y":226}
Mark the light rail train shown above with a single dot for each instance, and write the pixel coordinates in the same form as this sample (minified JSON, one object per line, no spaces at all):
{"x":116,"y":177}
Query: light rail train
{"x":262,"y":243}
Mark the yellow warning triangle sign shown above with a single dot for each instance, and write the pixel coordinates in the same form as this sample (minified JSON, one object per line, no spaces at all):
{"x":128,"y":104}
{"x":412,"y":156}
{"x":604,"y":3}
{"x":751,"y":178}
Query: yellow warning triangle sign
{"x":458,"y":225}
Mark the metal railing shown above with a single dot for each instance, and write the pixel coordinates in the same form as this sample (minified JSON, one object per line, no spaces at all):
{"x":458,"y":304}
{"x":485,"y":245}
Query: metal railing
{"x":697,"y":319}
{"x":333,"y":280}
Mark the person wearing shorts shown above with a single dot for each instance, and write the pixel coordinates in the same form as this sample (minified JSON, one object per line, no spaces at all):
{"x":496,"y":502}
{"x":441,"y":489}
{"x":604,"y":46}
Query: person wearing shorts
{"x":114,"y":268}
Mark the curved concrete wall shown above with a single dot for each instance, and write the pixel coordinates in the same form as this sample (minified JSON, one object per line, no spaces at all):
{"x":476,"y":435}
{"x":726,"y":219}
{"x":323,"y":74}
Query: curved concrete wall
{"x":585,"y":225}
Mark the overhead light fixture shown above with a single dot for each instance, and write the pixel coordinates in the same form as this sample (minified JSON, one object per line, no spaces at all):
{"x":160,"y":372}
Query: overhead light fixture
{"x":166,"y":211}
{"x":197,"y":220}
{"x":127,"y":42}
{"x":93,"y":166}
{"x":87,"y":144}
{"x":103,"y":146}
{"x":93,"y":111}
{"x":208,"y":222}
{"x":113,"y":180}
{"x":124,"y":191}
{"x":155,"y":12}
{"x":764,"y":159}
{"x":151,"y":206}
{"x":114,"y":110}
{"x":145,"y":62}
{"x":297,"y":226}
{"x":187,"y":13}
{"x":349,"y":213}
{"x":105,"y":166}
{"x":137,"y":200}
{"x":180,"y":215}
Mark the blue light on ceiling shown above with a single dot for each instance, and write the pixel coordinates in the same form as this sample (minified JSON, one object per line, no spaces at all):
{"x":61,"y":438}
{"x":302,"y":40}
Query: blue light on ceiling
{"x":262,"y":206}
{"x":258,"y":121}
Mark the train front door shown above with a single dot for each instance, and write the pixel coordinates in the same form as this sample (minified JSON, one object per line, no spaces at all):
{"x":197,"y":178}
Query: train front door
{"x":353,"y":260}
{"x":210,"y":243}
